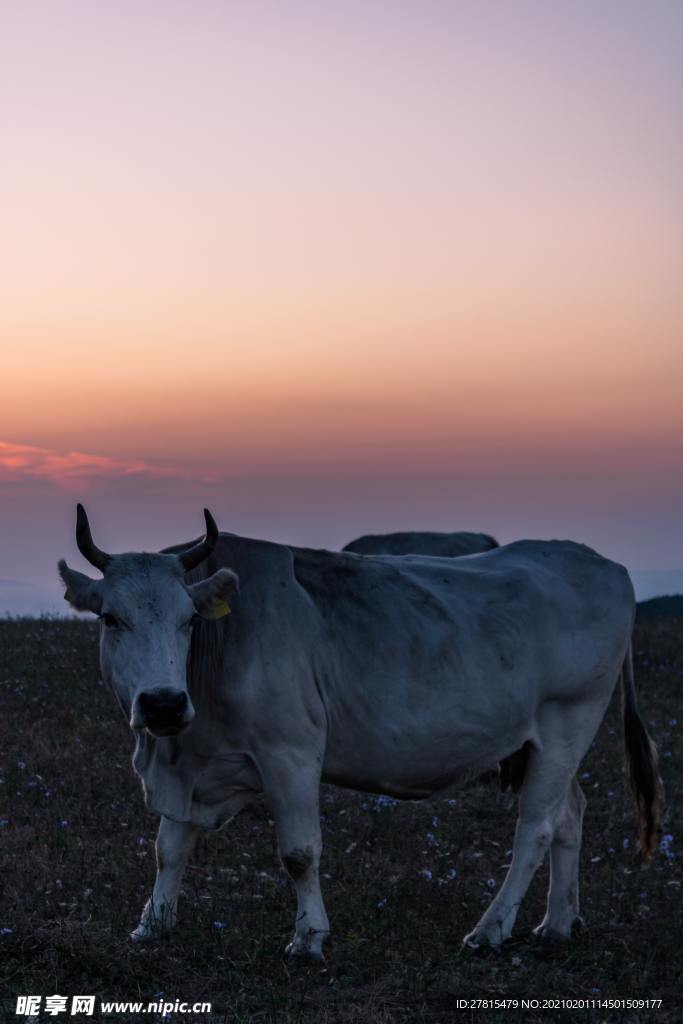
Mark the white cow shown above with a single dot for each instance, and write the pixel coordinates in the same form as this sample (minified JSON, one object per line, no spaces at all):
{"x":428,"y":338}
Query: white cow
{"x":424,"y":542}
{"x":391,"y":675}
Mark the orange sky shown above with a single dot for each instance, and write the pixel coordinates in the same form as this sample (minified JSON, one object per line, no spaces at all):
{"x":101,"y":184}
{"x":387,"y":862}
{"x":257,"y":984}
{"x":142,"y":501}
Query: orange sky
{"x":352,"y":239}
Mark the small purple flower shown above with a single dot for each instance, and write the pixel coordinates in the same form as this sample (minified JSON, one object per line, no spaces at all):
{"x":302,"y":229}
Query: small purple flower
{"x":426,"y":873}
{"x":4,"y":821}
{"x":220,"y":924}
{"x":626,"y":843}
{"x":450,"y":874}
{"x":6,"y":931}
{"x":665,"y":847}
{"x":382,"y":902}
{"x":64,"y":823}
{"x":436,"y":821}
{"x":451,"y":803}
{"x":385,"y":801}
{"x":21,"y":764}
{"x":491,"y":882}
{"x":431,"y":839}
{"x":585,"y":775}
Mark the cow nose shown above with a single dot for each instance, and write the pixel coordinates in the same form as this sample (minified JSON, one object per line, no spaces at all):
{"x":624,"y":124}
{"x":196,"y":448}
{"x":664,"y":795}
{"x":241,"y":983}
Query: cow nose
{"x":167,"y":701}
{"x":164,"y":710}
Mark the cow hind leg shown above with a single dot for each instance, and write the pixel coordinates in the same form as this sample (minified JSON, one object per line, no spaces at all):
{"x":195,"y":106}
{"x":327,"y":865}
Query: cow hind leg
{"x":563,"y":895}
{"x":548,"y":814}
{"x":175,"y":842}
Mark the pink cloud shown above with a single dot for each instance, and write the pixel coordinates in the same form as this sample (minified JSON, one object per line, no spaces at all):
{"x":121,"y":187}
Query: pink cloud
{"x":67,"y":469}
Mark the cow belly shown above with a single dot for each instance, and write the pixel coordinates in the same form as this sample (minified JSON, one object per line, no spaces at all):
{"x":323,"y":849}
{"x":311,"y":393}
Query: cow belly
{"x":413,"y":764}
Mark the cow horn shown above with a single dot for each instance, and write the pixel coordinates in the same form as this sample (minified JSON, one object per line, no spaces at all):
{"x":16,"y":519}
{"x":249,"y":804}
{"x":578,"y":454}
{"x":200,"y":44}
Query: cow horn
{"x":196,"y":554}
{"x":86,"y":545}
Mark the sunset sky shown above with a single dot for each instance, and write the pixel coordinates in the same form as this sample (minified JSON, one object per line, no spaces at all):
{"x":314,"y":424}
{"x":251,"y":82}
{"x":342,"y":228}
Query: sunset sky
{"x":331,"y":268}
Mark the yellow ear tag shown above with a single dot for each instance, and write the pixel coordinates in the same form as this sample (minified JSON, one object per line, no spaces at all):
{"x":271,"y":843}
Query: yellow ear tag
{"x":220,"y":609}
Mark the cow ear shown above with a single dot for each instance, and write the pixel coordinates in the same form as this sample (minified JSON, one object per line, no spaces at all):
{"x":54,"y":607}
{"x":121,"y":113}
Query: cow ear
{"x":212,"y":596}
{"x":82,"y":593}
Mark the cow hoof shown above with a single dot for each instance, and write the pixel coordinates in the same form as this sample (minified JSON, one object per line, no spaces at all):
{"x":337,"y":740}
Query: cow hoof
{"x":481,"y":940}
{"x":547,"y":932}
{"x":302,"y":954}
{"x":143,"y":933}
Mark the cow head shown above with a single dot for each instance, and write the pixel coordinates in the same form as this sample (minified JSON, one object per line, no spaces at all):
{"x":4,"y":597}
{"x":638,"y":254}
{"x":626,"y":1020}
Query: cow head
{"x":146,"y":611}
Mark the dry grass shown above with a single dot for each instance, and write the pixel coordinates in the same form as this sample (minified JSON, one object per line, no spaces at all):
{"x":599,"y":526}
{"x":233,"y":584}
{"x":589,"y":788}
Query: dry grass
{"x":78,"y":864}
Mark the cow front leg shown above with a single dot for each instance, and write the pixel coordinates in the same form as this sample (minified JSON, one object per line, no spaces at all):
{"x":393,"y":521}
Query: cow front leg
{"x":175,"y":842}
{"x":295,"y":805}
{"x":311,"y":926}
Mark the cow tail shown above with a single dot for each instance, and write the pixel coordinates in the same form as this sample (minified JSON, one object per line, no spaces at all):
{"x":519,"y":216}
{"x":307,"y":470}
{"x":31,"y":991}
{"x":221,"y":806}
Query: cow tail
{"x":641,"y":764}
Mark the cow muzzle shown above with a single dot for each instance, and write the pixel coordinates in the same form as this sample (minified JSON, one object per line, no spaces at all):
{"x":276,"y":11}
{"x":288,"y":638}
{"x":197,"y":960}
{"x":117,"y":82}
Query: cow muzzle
{"x":162,"y":712}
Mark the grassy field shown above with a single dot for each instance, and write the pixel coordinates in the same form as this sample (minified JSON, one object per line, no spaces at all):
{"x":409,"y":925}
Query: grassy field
{"x":403,"y":882}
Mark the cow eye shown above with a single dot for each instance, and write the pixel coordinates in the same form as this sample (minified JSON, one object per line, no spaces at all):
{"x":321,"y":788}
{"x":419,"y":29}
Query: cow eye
{"x":109,"y":620}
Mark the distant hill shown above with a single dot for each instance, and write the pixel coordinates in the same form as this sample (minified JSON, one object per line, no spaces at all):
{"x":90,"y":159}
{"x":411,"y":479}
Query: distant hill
{"x":671,"y":606}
